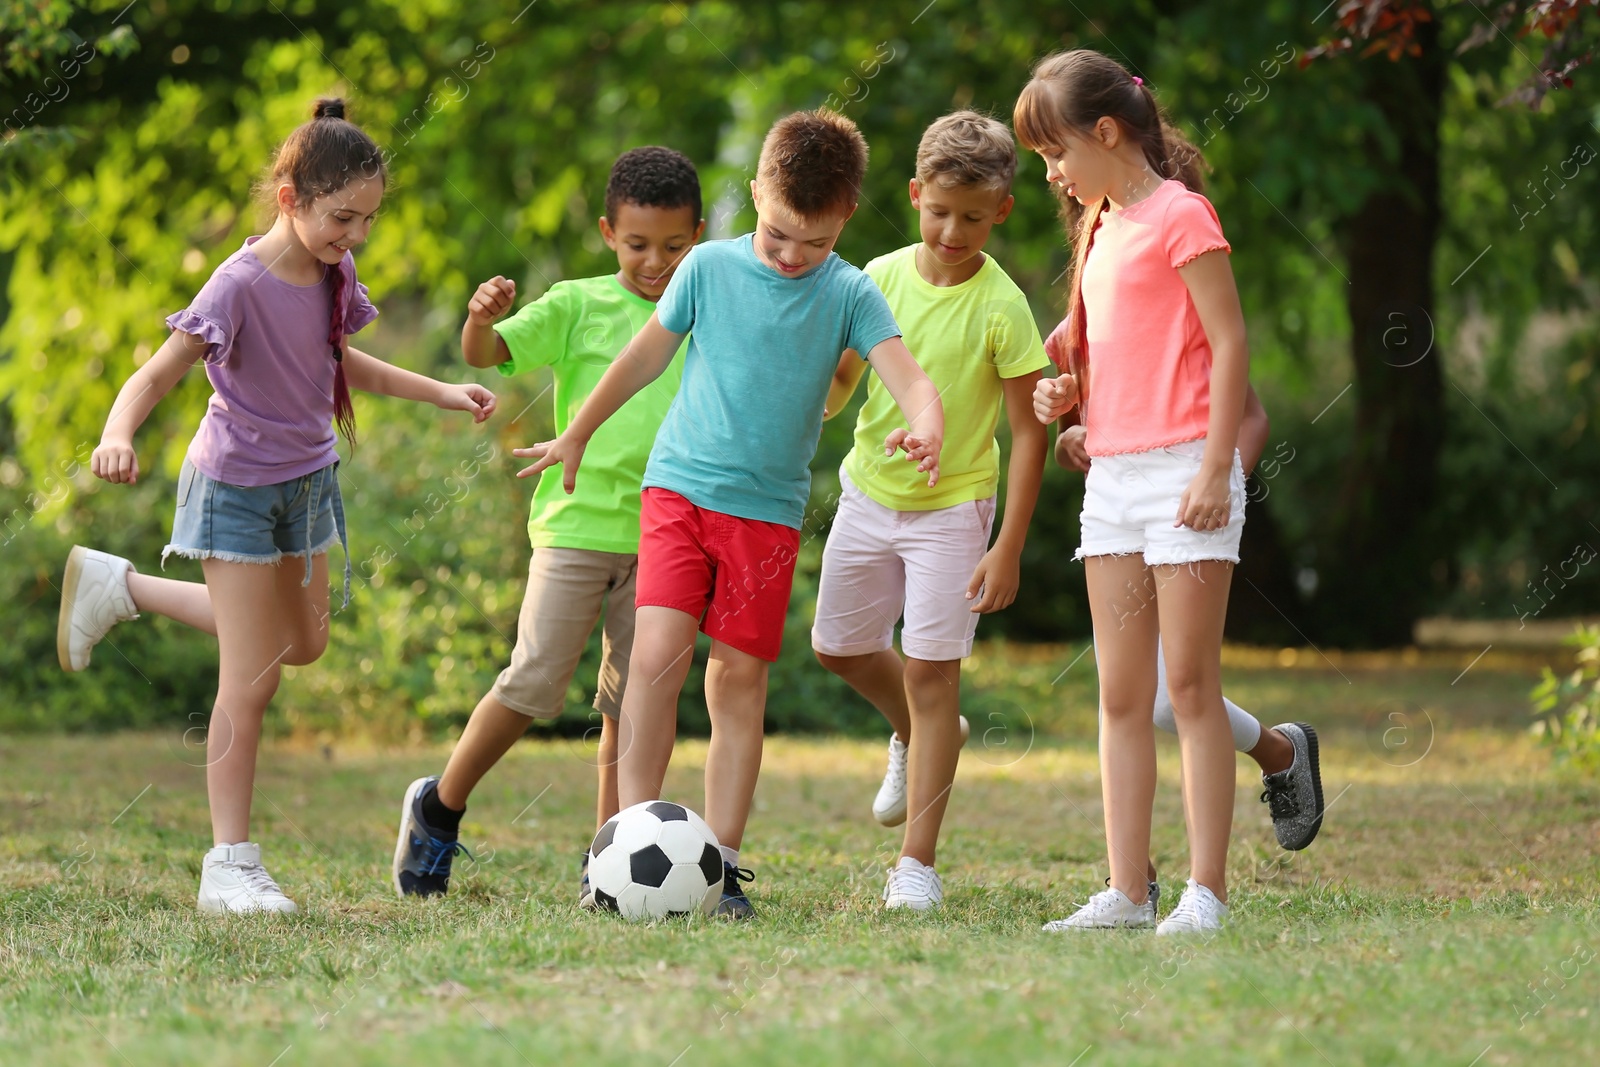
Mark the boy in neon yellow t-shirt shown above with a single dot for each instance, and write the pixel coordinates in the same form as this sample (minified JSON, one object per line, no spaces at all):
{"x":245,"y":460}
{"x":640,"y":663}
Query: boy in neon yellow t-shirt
{"x":897,"y":546}
{"x":586,"y":543}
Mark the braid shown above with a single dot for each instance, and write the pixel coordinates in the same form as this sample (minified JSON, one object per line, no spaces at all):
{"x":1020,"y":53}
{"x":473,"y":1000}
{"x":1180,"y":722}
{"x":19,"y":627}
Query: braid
{"x":344,"y":412}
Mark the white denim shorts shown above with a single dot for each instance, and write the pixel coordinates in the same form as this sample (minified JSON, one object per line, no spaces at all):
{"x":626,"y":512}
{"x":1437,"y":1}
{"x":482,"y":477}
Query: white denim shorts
{"x":880,"y":565}
{"x":1130,"y":505}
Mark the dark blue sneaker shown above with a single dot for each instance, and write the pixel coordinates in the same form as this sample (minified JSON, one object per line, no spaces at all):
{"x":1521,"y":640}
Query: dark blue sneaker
{"x":734,"y":904}
{"x":422,"y":854}
{"x":585,"y":890}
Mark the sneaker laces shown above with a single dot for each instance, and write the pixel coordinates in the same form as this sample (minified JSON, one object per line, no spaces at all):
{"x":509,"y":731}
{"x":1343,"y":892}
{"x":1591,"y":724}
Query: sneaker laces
{"x":1102,"y":902}
{"x":437,"y":855}
{"x":1279,"y":795}
{"x":914,"y":880}
{"x":1190,"y":911}
{"x":896,"y":775}
{"x":255,"y":878}
{"x":732,"y":876}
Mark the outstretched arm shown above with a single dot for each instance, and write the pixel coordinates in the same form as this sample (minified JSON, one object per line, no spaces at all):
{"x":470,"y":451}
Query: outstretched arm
{"x":114,"y":459}
{"x":372,"y":375}
{"x":918,"y":401}
{"x":639,"y":364}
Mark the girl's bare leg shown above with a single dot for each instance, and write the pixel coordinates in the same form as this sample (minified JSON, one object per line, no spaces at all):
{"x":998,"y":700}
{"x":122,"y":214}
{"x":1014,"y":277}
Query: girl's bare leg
{"x":1193,"y":602}
{"x":1122,"y":604}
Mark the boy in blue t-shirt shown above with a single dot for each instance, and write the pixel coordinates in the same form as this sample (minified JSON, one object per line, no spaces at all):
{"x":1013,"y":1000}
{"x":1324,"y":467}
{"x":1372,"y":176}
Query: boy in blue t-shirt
{"x":767,"y":315}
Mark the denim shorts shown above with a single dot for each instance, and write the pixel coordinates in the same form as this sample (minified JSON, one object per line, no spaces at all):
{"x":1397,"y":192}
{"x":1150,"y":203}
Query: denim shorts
{"x":259,"y":524}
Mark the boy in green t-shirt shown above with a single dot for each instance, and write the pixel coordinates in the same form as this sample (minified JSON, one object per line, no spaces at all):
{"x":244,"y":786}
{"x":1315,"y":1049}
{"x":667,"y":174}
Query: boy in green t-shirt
{"x":586,"y":544}
{"x":898,"y":547}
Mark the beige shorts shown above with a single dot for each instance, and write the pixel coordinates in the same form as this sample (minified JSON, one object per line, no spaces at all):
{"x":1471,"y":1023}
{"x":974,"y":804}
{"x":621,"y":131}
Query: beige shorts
{"x":566,"y":589}
{"x":880,"y":564}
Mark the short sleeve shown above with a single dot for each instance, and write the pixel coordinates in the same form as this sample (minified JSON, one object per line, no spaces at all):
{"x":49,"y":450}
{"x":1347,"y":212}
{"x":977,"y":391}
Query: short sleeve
{"x":215,"y":315}
{"x":1191,"y":229}
{"x":536,"y":336}
{"x":1014,"y":341}
{"x":359,"y":311}
{"x":675,"y":309}
{"x":1055,"y":346}
{"x":871,"y":321}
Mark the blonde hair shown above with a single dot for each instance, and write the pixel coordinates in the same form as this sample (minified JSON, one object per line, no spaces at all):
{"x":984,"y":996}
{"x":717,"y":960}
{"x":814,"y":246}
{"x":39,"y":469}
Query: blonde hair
{"x":966,"y":148}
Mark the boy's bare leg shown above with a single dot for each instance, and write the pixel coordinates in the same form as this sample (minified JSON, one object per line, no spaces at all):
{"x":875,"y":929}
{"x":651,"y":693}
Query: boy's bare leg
{"x":663,"y":649}
{"x":606,"y":764}
{"x":933,"y":691}
{"x":736,"y":698}
{"x":490,"y":733}
{"x":880,"y":677}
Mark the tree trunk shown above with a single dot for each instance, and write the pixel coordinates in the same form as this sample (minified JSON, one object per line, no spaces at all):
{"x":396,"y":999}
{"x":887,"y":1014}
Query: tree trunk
{"x":1377,"y":575}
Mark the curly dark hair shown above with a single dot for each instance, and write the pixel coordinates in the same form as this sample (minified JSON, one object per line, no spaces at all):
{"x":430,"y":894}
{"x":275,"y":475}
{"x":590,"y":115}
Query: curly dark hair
{"x":814,"y":161}
{"x":653,"y":177}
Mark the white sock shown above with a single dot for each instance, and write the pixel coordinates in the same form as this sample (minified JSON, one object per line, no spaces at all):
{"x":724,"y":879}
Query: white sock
{"x":730,"y":855}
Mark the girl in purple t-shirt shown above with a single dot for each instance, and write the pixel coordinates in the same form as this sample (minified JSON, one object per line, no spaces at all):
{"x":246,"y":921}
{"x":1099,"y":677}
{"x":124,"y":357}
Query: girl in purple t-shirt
{"x":260,"y":480}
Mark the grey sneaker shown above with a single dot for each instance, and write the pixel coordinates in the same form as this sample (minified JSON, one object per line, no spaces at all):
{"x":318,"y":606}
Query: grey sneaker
{"x":1295,"y":795}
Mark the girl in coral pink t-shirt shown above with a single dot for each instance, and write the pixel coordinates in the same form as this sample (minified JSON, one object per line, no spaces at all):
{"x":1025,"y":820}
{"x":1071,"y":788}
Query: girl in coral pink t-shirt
{"x":1156,"y":364}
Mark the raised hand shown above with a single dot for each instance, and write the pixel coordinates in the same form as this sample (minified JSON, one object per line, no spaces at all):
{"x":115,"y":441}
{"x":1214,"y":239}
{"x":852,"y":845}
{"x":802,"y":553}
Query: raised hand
{"x":493,"y":299}
{"x":1054,"y":397}
{"x":469,"y":397}
{"x":567,"y":452}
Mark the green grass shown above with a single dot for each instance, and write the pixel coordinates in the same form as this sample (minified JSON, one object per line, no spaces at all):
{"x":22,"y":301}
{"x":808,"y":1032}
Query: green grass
{"x":1446,"y":915}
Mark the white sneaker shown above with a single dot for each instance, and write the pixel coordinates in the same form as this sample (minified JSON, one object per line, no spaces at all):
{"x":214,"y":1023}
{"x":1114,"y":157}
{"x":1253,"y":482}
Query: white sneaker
{"x":1198,"y":912}
{"x":889,"y":807}
{"x":913,"y":884}
{"x":233,"y":880}
{"x":94,"y":598}
{"x":1107,"y":910}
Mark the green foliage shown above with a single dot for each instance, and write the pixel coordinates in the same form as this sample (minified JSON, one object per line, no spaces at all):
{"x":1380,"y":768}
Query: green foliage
{"x":1569,"y":705}
{"x":120,"y":197}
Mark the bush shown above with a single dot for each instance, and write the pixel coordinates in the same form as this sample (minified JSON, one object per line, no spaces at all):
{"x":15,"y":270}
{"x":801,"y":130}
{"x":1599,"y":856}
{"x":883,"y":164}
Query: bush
{"x":1569,"y":706}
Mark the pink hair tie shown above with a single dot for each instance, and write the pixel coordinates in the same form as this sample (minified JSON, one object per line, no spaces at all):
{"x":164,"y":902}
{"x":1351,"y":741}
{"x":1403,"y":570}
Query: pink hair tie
{"x":1138,"y":80}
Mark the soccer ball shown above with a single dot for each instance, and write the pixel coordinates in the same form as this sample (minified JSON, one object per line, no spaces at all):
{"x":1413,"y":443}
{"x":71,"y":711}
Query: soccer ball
{"x":656,"y":859}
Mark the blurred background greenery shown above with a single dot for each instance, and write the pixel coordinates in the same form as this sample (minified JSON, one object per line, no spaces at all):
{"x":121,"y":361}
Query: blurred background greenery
{"x":1415,"y":260}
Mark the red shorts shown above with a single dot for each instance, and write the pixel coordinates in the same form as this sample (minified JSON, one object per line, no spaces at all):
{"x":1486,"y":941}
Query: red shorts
{"x":732,"y":574}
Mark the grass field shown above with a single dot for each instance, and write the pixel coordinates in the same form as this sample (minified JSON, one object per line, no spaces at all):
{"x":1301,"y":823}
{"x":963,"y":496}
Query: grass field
{"x":1445,"y":916}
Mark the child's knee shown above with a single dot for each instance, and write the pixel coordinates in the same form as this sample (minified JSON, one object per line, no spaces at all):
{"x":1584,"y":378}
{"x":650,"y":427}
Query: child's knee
{"x":307,"y":648}
{"x":840,"y":665}
{"x":1191,"y":690}
{"x":930,"y":683}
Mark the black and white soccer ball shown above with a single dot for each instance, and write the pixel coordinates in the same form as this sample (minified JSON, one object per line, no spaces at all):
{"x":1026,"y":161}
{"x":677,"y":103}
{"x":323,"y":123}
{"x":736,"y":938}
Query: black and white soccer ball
{"x":656,"y":859}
